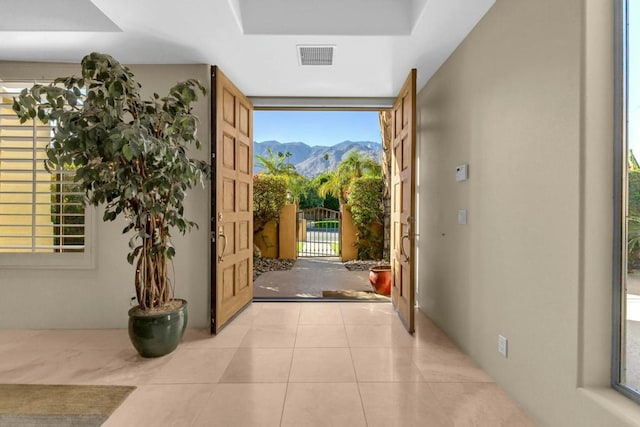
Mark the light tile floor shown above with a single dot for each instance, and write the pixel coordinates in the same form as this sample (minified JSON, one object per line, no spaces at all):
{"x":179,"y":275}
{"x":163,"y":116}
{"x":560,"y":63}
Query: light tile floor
{"x":277,"y":364}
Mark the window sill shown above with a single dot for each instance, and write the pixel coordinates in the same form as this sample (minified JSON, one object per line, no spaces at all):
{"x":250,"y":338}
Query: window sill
{"x":614,"y":403}
{"x":57,"y":261}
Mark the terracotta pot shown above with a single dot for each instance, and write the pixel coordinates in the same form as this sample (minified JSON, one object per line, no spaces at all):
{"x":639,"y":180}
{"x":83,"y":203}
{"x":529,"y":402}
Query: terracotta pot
{"x":380,"y":278}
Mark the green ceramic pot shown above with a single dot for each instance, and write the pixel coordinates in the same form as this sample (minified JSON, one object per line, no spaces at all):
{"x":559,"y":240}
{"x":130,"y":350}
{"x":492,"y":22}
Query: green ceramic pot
{"x":157,"y":334}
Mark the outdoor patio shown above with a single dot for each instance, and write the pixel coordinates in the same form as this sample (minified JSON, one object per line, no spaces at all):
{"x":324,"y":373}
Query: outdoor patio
{"x":311,"y":277}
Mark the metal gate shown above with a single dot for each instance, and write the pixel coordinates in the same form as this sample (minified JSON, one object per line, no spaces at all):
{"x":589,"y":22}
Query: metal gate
{"x":318,"y":232}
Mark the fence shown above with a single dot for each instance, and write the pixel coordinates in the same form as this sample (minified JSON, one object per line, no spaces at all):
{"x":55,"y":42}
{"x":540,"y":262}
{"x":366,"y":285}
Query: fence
{"x":319,"y":233}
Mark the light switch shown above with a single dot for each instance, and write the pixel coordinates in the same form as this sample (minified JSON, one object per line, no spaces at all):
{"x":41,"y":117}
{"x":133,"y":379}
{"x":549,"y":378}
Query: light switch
{"x":462,"y":172}
{"x":462,"y":216}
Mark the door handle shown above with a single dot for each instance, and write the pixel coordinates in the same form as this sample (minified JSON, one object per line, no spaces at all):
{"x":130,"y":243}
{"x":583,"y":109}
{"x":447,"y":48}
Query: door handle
{"x":402,"y":252}
{"x":402,"y":239}
{"x":224,"y":244}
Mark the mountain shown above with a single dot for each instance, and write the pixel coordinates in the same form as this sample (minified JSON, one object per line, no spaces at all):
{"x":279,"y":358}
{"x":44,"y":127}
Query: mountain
{"x":310,"y":161}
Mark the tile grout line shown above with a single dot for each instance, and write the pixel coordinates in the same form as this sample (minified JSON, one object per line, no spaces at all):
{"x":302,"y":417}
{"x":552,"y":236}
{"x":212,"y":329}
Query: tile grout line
{"x":355,"y":372}
{"x":293,"y":349}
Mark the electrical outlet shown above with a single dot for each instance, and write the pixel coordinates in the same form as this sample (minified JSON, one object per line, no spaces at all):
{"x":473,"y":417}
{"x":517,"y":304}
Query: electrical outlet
{"x":462,"y":216}
{"x":462,"y":173}
{"x":502,"y":345}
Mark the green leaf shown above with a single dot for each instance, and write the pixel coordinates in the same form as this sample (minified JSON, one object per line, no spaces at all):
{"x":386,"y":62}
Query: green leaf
{"x":42,"y":115}
{"x":16,"y":106}
{"x":129,"y":192}
{"x":127,"y":152}
{"x":109,"y":216}
{"x":72,"y":99}
{"x":115,"y":89}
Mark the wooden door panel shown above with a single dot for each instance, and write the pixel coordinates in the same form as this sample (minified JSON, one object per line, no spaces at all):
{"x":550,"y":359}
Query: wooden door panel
{"x":232,"y":198}
{"x":228,"y":283}
{"x":245,"y":118}
{"x":228,"y":107}
{"x":243,"y":235}
{"x":228,"y":194}
{"x":228,"y":151}
{"x":243,"y":157}
{"x":403,"y":202}
{"x":243,"y":197}
{"x":229,"y":247}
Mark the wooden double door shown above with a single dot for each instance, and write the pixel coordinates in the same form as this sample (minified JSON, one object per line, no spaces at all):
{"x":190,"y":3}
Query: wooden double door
{"x":232,"y":201}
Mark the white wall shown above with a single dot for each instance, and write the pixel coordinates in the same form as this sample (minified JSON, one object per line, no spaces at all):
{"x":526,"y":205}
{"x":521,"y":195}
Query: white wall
{"x":99,"y":297}
{"x":526,"y":100}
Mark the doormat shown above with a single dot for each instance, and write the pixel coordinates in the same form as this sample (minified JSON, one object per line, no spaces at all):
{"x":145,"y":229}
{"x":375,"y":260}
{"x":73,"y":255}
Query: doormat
{"x":59,"y":405}
{"x":349,"y":294}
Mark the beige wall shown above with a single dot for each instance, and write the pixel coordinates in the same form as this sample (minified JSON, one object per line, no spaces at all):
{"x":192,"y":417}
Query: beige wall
{"x":526,"y":102}
{"x":99,"y":297}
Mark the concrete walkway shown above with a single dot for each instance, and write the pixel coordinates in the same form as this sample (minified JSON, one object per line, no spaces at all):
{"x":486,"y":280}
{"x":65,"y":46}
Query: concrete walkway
{"x":309,"y":277}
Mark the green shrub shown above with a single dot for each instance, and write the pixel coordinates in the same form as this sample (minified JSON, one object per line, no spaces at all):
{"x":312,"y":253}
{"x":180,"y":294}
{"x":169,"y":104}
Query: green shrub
{"x":309,"y":197}
{"x":269,"y":196}
{"x":633,"y":222}
{"x":365,"y":203}
{"x":331,"y":202}
{"x":634,"y":192}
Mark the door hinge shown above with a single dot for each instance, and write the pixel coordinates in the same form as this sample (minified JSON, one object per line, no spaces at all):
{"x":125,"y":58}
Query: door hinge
{"x":213,"y":155}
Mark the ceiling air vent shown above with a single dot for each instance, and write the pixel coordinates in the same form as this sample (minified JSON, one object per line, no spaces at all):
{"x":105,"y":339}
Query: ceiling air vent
{"x":315,"y":55}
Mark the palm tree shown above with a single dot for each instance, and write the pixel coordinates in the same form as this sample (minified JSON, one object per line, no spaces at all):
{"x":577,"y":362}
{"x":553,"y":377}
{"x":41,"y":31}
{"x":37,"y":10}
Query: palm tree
{"x":277,"y":163}
{"x":352,"y":167}
{"x":332,"y":185}
{"x":355,"y":166}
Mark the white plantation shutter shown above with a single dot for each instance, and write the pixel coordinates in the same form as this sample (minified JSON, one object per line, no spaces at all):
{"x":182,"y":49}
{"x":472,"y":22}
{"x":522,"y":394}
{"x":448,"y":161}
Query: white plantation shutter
{"x":40,"y":212}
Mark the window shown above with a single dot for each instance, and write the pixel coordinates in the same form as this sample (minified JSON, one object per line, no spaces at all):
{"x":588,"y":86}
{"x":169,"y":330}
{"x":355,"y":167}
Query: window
{"x":40,"y":212}
{"x":626,"y":350}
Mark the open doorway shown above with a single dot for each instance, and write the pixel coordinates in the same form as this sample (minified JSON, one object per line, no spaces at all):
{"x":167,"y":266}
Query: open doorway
{"x":233,"y":212}
{"x":319,"y":203}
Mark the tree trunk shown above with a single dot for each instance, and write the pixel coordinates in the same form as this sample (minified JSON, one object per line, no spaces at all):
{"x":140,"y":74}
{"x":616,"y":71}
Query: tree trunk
{"x":151,"y":278}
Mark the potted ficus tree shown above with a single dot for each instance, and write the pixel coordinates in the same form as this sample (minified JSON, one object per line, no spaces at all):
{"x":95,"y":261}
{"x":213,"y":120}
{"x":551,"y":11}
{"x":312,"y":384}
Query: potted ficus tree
{"x":129,"y":155}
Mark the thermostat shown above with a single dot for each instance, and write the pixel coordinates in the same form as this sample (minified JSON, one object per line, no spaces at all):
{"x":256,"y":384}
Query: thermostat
{"x":462,"y":173}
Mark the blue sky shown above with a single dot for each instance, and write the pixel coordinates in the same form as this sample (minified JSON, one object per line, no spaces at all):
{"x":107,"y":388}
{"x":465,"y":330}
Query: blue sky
{"x":316,"y":127}
{"x":634,"y":78}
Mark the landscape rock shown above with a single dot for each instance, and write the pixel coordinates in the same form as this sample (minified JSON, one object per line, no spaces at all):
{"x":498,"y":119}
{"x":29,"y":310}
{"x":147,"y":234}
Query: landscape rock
{"x":262,"y":265}
{"x":363,"y":265}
